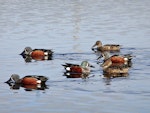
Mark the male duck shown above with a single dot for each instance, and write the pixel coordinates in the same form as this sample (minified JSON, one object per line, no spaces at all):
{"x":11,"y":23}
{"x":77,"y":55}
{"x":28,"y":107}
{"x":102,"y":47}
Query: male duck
{"x":122,"y":59}
{"x":116,"y":63}
{"x":75,"y":68}
{"x":115,"y":67}
{"x":107,"y":47}
{"x":27,"y":80}
{"x":37,"y":54}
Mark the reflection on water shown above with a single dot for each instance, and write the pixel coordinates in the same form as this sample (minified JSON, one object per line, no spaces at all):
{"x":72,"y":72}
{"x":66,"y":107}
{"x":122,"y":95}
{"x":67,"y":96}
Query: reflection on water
{"x":16,"y":86}
{"x":70,"y":28}
{"x":75,"y":75}
{"x":114,"y":75}
{"x":30,"y":59}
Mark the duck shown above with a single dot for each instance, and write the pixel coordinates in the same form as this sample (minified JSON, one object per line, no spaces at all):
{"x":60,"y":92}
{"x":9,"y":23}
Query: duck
{"x":27,"y":80}
{"x":84,"y":68}
{"x":108,"y":47}
{"x":37,"y":54}
{"x":116,"y":59}
{"x":115,"y":66}
{"x":116,"y":63}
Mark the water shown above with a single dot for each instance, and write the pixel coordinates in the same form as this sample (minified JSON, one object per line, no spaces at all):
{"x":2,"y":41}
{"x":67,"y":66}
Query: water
{"x":70,"y":28}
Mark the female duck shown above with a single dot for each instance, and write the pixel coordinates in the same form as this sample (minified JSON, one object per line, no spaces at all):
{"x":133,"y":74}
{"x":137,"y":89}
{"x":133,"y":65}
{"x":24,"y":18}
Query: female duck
{"x":107,"y":47}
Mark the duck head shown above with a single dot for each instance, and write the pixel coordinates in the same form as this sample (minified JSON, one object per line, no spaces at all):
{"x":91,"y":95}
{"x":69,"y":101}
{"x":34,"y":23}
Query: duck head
{"x":98,"y":44}
{"x":27,"y":51}
{"x":85,"y":64}
{"x":105,"y":55}
{"x":13,"y":79}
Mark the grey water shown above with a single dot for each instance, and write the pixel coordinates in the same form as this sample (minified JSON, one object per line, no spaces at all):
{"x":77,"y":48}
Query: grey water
{"x":70,"y":28}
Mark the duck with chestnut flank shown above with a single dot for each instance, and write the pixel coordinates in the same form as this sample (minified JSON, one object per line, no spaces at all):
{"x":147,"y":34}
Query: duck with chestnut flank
{"x":37,"y":54}
{"x":27,"y":80}
{"x":84,"y":68}
{"x":116,"y":64}
{"x":118,"y":59}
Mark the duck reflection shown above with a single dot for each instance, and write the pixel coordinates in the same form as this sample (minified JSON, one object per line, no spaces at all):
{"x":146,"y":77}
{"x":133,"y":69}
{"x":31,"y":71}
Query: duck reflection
{"x":16,"y":86}
{"x":30,"y":59}
{"x":75,"y":75}
{"x":114,"y":75}
{"x":107,"y":77}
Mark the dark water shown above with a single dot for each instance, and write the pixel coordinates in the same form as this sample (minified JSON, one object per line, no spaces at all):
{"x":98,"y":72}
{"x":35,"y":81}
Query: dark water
{"x":70,"y":28}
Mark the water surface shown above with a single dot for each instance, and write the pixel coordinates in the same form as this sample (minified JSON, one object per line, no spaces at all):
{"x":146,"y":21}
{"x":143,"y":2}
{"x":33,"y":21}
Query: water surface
{"x":70,"y":28}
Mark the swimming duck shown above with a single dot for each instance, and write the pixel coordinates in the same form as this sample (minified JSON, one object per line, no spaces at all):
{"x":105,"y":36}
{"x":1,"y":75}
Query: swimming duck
{"x":107,"y":47}
{"x":115,"y":66}
{"x":27,"y":80}
{"x":75,"y":68}
{"x":122,"y":59}
{"x":37,"y":54}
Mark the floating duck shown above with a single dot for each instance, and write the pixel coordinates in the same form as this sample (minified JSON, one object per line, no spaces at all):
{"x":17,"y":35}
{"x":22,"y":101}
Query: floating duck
{"x":108,"y":47}
{"x":116,"y":67}
{"x":37,"y":54}
{"x":84,"y":68}
{"x":116,"y":59}
{"x":116,"y":63}
{"x":27,"y":80}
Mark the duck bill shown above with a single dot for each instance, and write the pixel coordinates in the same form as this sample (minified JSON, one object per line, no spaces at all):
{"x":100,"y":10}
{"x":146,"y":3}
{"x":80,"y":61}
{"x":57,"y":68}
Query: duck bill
{"x":93,"y":47}
{"x":9,"y":81}
{"x":22,"y":53}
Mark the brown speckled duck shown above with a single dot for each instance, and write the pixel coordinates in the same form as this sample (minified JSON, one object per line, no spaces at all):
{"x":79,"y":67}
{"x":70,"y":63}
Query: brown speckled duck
{"x":108,"y":47}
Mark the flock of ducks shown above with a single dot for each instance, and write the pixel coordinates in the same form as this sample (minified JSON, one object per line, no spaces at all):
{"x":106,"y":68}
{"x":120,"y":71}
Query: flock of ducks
{"x":112,"y":65}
